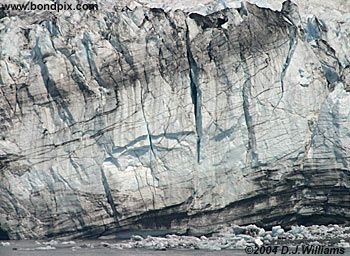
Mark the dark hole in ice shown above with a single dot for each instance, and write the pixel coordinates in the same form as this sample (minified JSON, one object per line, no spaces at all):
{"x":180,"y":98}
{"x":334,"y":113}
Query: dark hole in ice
{"x":210,"y":21}
{"x":3,"y":14}
{"x":4,"y":235}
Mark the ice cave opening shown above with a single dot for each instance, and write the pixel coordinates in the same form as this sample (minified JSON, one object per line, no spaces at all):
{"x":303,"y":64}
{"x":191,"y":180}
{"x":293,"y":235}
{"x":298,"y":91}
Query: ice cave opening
{"x":3,"y":235}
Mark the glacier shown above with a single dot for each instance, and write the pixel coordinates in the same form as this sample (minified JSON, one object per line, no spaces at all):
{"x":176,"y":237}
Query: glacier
{"x":155,"y":115}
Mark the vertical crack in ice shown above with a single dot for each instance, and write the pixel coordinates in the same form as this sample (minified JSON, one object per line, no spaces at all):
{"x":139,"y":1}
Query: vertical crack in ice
{"x":149,"y":136}
{"x":104,"y":144}
{"x":246,"y":94}
{"x":292,"y":45}
{"x":86,"y":44}
{"x":94,"y":71}
{"x":109,"y":196}
{"x":51,"y":86}
{"x":196,"y":93}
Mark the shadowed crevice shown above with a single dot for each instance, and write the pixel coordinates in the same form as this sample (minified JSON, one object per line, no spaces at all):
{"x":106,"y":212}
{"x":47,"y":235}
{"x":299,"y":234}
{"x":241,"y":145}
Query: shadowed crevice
{"x":4,"y":235}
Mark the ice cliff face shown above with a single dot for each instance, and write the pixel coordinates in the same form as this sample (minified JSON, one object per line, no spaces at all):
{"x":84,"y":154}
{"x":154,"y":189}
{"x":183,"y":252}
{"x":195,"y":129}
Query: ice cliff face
{"x":150,"y":118}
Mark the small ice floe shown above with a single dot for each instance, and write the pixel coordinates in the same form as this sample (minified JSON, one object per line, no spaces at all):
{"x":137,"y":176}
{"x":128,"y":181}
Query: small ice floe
{"x":241,"y":244}
{"x":75,"y":248}
{"x":121,"y":247}
{"x":315,"y":243}
{"x":5,"y":243}
{"x":136,"y":238}
{"x":38,"y":242}
{"x":343,"y":244}
{"x":267,"y":238}
{"x":248,"y":238}
{"x":258,"y":242}
{"x":90,"y":246}
{"x":52,"y":242}
{"x":277,"y":231}
{"x":160,"y":247}
{"x":68,"y":243}
{"x":44,"y":248}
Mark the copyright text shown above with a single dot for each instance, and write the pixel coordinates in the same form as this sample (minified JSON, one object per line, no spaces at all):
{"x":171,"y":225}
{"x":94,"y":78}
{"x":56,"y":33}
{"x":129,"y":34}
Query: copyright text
{"x":299,"y":249}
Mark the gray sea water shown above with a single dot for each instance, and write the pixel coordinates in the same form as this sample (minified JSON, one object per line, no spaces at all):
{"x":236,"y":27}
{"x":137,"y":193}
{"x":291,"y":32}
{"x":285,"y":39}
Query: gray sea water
{"x":110,"y":252}
{"x":30,"y":248}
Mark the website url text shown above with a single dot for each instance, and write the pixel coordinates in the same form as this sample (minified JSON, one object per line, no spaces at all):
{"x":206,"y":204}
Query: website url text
{"x":30,"y":6}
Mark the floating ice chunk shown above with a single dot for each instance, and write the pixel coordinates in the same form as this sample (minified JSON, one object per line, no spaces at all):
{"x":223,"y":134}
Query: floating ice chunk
{"x":44,"y":248}
{"x":241,"y":244}
{"x":136,"y":238}
{"x":52,"y":242}
{"x":277,"y":231}
{"x":258,"y":242}
{"x":343,"y":244}
{"x":68,"y":243}
{"x":75,"y":248}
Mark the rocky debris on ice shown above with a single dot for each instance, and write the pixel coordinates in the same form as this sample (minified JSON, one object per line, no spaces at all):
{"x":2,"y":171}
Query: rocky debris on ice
{"x":239,"y":237}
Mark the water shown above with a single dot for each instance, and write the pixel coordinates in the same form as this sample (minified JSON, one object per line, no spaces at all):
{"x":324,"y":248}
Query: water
{"x":30,"y":248}
{"x":110,"y":252}
{"x":27,"y":248}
